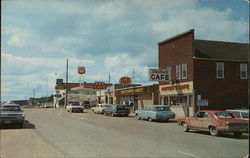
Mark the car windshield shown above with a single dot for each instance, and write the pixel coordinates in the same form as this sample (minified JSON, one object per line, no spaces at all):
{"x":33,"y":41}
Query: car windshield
{"x":75,"y":104}
{"x":10,"y":108}
{"x":224,"y":115}
{"x":245,"y":115}
{"x":161,"y":109}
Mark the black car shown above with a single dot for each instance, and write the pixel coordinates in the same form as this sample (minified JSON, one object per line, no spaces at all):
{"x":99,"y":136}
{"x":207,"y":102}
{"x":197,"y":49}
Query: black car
{"x":117,"y":110}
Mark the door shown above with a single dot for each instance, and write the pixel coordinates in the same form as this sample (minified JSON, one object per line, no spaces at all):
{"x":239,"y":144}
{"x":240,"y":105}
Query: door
{"x":196,"y":122}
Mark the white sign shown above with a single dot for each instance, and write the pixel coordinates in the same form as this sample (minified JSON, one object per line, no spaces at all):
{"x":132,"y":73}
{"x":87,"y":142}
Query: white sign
{"x":159,"y":74}
{"x":202,"y":103}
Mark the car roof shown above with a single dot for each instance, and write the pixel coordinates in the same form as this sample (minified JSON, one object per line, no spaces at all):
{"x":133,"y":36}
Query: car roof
{"x":213,"y":111}
{"x":238,"y":110}
{"x":157,"y":106}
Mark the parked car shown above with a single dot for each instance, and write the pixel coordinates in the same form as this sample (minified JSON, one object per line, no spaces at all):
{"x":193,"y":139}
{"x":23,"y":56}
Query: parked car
{"x":75,"y":107}
{"x":11,"y":114}
{"x":99,"y":108}
{"x":116,"y":110}
{"x":241,"y":114}
{"x":48,"y":105}
{"x":215,"y":122}
{"x":155,"y":112}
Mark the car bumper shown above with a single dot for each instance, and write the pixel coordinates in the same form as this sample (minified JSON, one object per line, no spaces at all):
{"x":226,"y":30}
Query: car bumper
{"x":77,"y":110}
{"x":121,"y":114}
{"x":11,"y":121}
{"x":233,"y":129}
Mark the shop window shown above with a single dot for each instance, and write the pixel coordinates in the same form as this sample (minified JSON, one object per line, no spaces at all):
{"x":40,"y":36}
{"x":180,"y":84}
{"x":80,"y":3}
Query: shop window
{"x":178,"y":71}
{"x":184,"y":71}
{"x":243,"y":71}
{"x":220,"y":70}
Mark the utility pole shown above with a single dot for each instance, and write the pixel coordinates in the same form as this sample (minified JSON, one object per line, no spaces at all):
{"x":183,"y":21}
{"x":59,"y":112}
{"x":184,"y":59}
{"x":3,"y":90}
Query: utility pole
{"x":109,"y":77}
{"x":34,"y":93}
{"x":66,"y":86}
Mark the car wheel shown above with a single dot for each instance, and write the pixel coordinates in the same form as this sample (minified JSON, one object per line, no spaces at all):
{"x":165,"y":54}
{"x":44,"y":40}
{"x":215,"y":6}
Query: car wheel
{"x":149,"y":119}
{"x":185,"y":127}
{"x":138,"y":117}
{"x":237,"y":134}
{"x":213,"y":131}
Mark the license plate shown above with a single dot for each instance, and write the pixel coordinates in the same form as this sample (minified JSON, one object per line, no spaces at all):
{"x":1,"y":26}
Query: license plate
{"x":7,"y":121}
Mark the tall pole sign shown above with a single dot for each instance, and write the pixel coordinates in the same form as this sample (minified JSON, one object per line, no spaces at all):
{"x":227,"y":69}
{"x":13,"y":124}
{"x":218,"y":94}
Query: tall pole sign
{"x":81,"y":70}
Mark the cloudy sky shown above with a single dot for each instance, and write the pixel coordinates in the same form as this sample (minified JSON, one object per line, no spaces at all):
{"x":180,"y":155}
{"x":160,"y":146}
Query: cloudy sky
{"x":105,"y":36}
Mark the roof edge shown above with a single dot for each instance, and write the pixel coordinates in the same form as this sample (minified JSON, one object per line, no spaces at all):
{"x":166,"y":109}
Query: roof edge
{"x":176,"y":36}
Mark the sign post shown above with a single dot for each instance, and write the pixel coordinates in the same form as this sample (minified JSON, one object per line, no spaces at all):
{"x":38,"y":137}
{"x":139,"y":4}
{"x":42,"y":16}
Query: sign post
{"x":81,"y":71}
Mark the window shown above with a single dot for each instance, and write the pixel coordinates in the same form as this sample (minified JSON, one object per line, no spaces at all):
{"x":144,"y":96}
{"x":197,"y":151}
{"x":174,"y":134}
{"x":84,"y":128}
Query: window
{"x":220,"y":70}
{"x":243,"y":71}
{"x":178,"y":72}
{"x":184,"y":71}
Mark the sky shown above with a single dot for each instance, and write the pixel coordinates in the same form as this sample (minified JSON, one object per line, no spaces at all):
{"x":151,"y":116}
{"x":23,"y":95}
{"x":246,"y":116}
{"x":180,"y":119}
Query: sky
{"x":113,"y":37}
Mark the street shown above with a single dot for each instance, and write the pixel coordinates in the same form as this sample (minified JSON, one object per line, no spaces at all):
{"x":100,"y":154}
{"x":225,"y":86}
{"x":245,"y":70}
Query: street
{"x":50,"y":133}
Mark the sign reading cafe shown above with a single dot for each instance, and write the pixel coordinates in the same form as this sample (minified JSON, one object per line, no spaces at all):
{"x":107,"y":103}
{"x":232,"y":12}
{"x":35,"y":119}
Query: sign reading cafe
{"x":159,"y":74}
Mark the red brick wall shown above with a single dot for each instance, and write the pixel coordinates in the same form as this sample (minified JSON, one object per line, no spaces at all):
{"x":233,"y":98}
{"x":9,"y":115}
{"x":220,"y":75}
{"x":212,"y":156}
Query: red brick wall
{"x":230,"y":92}
{"x":177,"y":51}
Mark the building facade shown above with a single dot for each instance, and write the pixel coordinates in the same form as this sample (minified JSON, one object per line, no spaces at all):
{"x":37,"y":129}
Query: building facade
{"x":204,"y":74}
{"x":138,"y":96}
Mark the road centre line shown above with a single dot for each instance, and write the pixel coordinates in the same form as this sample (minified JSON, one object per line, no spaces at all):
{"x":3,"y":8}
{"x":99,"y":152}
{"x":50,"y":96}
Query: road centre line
{"x":192,"y":155}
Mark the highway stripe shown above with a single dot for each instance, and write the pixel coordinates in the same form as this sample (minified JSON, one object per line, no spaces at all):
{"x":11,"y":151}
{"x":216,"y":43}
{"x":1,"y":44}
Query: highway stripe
{"x":192,"y":155}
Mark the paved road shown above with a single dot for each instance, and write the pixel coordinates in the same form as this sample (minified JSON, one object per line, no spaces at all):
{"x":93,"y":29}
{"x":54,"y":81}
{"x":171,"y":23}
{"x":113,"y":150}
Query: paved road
{"x":55,"y":133}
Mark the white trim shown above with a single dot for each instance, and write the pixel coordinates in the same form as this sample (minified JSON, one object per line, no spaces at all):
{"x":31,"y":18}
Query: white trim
{"x":220,"y":59}
{"x":182,"y":70}
{"x":217,"y":70}
{"x":241,"y":70}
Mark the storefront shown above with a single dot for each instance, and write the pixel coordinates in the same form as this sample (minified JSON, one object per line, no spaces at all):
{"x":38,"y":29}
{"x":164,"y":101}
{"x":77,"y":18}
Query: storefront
{"x":138,"y":97}
{"x":177,"y":94}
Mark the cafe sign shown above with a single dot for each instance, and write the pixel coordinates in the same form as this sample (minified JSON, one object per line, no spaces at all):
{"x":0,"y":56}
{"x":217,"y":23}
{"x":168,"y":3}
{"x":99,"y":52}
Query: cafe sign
{"x":159,"y":74}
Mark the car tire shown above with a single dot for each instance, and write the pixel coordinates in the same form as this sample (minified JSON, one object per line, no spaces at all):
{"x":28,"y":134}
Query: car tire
{"x":138,"y":117}
{"x":213,"y":131}
{"x":185,"y":127}
{"x":237,"y":134}
{"x":150,"y":119}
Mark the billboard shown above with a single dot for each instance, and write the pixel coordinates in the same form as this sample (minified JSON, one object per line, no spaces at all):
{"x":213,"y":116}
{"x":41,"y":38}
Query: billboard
{"x":125,"y":80}
{"x":159,"y":74}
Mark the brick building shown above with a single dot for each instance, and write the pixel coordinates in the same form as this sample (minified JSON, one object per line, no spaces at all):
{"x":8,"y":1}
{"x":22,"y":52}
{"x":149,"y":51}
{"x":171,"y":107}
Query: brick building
{"x":205,"y":74}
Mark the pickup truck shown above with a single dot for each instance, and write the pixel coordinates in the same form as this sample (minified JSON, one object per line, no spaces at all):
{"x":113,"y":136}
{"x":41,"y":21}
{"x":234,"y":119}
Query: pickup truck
{"x":214,"y":121}
{"x":74,"y":107}
{"x":155,"y":112}
{"x":99,"y":108}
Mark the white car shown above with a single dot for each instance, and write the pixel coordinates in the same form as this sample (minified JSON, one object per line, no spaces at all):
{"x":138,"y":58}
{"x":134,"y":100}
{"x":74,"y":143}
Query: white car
{"x":100,"y":108}
{"x":74,"y":107}
{"x":241,"y":114}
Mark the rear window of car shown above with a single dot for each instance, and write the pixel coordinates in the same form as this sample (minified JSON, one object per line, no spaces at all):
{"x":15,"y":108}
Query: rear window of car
{"x":224,"y":115}
{"x":10,"y":108}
